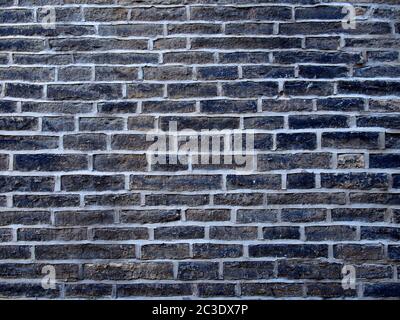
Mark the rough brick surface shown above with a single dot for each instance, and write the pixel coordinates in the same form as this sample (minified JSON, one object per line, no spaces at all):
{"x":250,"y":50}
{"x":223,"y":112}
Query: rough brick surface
{"x":78,"y":192}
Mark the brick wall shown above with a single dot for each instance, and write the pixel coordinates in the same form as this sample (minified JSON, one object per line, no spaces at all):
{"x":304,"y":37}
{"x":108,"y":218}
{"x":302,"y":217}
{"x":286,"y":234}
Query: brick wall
{"x":79,"y":197}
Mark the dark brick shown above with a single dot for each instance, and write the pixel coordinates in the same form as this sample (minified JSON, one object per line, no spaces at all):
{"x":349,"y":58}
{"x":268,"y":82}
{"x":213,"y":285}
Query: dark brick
{"x":303,"y":269}
{"x":248,"y":270}
{"x":26,"y":184}
{"x":83,"y":218}
{"x":233,"y":233}
{"x":283,"y":232}
{"x":303,"y":180}
{"x":266,"y":162}
{"x":253,"y":182}
{"x":198,"y":271}
{"x":46,"y":201}
{"x":50,"y":162}
{"x":92,"y":183}
{"x":30,"y":142}
{"x":386,"y":160}
{"x":91,"y":291}
{"x":350,"y":140}
{"x":51,"y":234}
{"x":129,"y":271}
{"x":289,"y":250}
{"x":154,"y":289}
{"x":382,"y":290}
{"x":85,"y":251}
{"x":120,"y":234}
{"x":295,"y":141}
{"x":175,"y":183}
{"x":85,"y":141}
{"x":216,"y":250}
{"x":179,"y":232}
{"x":273,"y":289}
{"x":318,"y":121}
{"x":256,"y":215}
{"x":216,"y":289}
{"x":358,"y":214}
{"x":165,"y":251}
{"x":358,"y":252}
{"x":118,"y":199}
{"x":364,"y":181}
{"x":335,"y":233}
{"x":303,"y":215}
{"x":306,"y":198}
{"x":207,"y":214}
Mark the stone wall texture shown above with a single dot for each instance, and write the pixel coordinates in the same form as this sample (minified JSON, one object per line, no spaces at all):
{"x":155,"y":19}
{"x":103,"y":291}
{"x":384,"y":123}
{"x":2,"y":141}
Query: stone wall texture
{"x":316,"y":81}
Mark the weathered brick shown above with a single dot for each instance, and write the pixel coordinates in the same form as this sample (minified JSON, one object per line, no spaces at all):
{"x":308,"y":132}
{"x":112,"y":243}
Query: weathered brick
{"x":358,"y":252}
{"x":92,"y":183}
{"x":165,"y":251}
{"x":175,"y":183}
{"x":244,"y":199}
{"x":244,"y":89}
{"x":355,"y":180}
{"x":154,"y":289}
{"x":88,"y":291}
{"x":27,"y":290}
{"x":149,"y":216}
{"x":256,"y":215}
{"x":303,"y":269}
{"x":387,"y":160}
{"x":176,"y":199}
{"x":51,"y":234}
{"x":85,"y":251}
{"x":358,"y":214}
{"x":350,"y":140}
{"x":24,"y":217}
{"x":303,"y":180}
{"x":329,"y":290}
{"x":266,"y":162}
{"x":248,"y":270}
{"x":318,"y":121}
{"x":273,"y":289}
{"x":233,"y":13}
{"x":294,"y":141}
{"x":119,"y":234}
{"x":31,"y":142}
{"x":85,"y":141}
{"x":306,"y":198}
{"x":216,"y":250}
{"x":129,"y":271}
{"x":179,"y":232}
{"x":216,"y":289}
{"x":207,"y":214}
{"x":282,"y":232}
{"x":84,"y":218}
{"x":289,"y":250}
{"x":336,"y":233}
{"x":26,"y":183}
{"x":46,"y":201}
{"x":198,"y":271}
{"x":118,"y":199}
{"x":84,"y":92}
{"x":233,"y":233}
{"x":50,"y":162}
{"x":56,"y":107}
